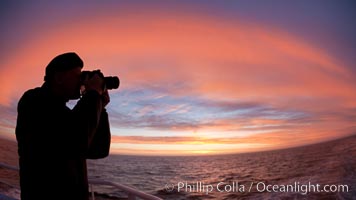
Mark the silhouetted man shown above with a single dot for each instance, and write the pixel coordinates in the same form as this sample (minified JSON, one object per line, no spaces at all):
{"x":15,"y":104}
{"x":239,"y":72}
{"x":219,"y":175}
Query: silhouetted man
{"x":55,"y":141}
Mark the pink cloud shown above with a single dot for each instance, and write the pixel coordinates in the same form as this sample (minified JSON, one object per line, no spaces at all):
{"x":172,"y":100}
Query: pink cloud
{"x":214,"y":58}
{"x":198,"y":56}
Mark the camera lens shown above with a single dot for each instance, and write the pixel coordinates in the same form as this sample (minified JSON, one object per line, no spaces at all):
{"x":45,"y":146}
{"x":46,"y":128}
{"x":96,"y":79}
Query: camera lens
{"x":112,"y":82}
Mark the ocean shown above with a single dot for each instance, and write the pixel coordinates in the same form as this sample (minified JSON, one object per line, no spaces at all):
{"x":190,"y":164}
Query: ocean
{"x":319,"y":171}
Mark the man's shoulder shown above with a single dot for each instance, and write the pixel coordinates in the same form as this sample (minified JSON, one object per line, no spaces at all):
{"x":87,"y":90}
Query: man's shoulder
{"x":32,"y":95}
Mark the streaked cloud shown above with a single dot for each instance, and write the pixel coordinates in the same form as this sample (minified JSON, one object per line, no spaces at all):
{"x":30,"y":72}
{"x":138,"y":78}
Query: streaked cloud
{"x":191,"y":78}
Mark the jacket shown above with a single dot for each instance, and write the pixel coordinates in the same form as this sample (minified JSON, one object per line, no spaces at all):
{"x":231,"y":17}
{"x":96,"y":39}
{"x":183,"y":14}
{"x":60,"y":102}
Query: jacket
{"x":55,"y":141}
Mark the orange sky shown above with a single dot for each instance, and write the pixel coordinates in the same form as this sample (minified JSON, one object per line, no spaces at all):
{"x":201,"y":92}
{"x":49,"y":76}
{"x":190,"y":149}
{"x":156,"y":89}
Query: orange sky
{"x":194,"y":83}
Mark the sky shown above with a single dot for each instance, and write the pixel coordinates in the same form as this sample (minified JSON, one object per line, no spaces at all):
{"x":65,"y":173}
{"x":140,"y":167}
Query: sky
{"x":197,"y":77}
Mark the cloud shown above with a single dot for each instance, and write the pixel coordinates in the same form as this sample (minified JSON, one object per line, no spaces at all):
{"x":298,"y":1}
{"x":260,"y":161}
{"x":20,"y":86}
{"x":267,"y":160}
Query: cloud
{"x":219,"y":145}
{"x":205,"y":55}
{"x":138,"y":110}
{"x":8,"y":122}
{"x":198,"y":73}
{"x":208,"y":117}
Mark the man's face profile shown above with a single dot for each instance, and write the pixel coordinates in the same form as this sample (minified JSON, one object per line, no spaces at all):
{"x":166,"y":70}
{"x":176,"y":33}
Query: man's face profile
{"x":69,"y":82}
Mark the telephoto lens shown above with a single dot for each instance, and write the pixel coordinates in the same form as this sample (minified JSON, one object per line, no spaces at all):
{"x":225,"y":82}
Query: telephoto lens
{"x":112,"y":82}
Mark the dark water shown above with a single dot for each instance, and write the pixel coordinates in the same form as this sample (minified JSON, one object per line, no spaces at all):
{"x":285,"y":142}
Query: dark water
{"x":332,"y":163}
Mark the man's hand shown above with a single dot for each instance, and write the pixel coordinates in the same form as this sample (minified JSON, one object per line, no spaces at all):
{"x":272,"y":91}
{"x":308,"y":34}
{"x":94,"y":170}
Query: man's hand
{"x":94,"y":83}
{"x":105,"y":97}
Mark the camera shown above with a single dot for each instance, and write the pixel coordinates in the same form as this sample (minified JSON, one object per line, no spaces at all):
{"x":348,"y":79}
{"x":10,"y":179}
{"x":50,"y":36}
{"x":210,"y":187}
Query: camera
{"x":111,"y":82}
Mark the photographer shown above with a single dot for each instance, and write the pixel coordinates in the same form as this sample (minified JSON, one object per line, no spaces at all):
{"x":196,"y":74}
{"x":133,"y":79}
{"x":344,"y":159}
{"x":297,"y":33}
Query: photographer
{"x":55,"y":141}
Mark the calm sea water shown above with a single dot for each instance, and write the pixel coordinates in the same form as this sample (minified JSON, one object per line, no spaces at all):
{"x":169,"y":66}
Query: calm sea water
{"x":241,"y":176}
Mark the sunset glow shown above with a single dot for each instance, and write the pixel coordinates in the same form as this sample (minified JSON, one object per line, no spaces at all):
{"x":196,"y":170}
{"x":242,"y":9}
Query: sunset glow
{"x":195,"y":79}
